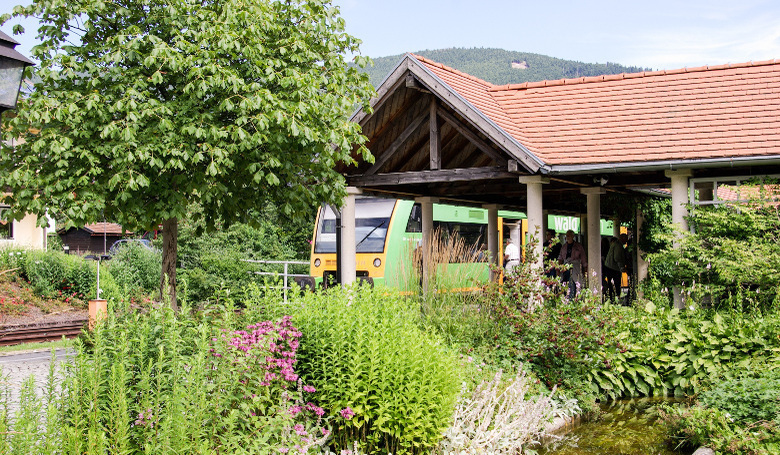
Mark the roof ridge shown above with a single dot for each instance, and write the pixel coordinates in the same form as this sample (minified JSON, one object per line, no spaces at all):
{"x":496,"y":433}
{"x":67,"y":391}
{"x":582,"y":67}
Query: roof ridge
{"x":621,"y":76}
{"x":428,"y":61}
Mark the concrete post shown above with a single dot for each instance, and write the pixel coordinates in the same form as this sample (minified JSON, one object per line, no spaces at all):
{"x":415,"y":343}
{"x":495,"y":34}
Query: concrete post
{"x":492,"y":238}
{"x":535,"y":213}
{"x":679,"y":212}
{"x":593,"y":195}
{"x":426,"y":204}
{"x":616,"y":227}
{"x":348,"y":247}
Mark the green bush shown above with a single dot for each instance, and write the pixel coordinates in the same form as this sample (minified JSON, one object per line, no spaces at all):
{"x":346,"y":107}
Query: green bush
{"x":54,"y":274}
{"x":749,"y":398}
{"x":365,"y":354}
{"x":136,"y":268}
{"x":711,"y":427}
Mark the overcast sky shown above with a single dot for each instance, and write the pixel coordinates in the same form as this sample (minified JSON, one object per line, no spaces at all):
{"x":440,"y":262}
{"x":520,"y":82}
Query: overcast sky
{"x":660,"y":34}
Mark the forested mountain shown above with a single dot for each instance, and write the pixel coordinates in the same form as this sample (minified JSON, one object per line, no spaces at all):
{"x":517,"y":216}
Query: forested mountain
{"x":500,"y":66}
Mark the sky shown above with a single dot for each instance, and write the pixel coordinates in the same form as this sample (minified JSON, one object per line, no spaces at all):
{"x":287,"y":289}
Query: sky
{"x":658,"y":34}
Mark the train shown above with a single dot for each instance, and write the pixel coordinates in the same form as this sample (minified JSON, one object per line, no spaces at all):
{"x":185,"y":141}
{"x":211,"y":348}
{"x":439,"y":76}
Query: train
{"x":388,"y":231}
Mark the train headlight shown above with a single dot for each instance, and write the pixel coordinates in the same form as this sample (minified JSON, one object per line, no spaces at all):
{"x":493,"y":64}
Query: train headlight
{"x":377,"y":262}
{"x":317,"y":262}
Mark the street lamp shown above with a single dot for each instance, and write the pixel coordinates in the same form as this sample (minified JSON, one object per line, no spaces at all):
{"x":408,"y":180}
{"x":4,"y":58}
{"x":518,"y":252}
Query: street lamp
{"x":12,"y":65}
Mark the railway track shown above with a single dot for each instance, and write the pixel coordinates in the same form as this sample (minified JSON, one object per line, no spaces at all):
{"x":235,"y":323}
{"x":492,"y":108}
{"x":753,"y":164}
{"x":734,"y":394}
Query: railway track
{"x":36,"y":333}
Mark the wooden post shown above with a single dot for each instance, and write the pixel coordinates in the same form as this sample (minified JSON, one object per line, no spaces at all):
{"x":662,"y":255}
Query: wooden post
{"x":435,"y":142}
{"x":492,"y":239}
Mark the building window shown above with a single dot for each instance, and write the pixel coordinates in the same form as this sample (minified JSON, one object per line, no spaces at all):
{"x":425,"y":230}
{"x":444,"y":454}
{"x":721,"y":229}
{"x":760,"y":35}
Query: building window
{"x":6,"y":226}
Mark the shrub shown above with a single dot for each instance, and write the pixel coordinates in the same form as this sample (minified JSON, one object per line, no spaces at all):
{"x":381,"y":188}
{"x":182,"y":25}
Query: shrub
{"x":384,"y":382}
{"x":55,"y":274}
{"x":697,"y":426}
{"x":136,"y":267}
{"x":749,"y":398}
{"x":498,"y":419}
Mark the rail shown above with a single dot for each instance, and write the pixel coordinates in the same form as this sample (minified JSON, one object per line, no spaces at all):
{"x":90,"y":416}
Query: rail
{"x":286,"y":275}
{"x":11,"y":335}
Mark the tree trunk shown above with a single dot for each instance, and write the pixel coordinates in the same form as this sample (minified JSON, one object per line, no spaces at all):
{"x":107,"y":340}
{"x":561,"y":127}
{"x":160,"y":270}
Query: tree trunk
{"x":169,"y":254}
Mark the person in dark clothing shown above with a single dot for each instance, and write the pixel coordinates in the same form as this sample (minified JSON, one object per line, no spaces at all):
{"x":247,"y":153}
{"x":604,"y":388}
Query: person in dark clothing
{"x":614,"y":264}
{"x":552,"y":249}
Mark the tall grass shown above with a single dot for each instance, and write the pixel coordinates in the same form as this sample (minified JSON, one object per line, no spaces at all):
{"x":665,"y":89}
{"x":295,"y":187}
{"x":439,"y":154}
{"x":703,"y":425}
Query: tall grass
{"x":447,"y":263}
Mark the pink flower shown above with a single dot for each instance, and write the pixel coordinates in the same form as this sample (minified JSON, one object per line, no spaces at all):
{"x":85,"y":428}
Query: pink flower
{"x":347,"y":413}
{"x":309,"y":389}
{"x":299,"y":430}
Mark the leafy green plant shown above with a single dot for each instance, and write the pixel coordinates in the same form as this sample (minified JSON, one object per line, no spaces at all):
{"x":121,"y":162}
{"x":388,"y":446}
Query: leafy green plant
{"x":749,"y":398}
{"x":55,"y":274}
{"x":711,"y":427}
{"x":385,"y":383}
{"x":135,"y":267}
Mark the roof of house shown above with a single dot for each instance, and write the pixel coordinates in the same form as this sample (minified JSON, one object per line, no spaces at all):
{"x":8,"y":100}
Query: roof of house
{"x":102,"y":228}
{"x":725,"y":112}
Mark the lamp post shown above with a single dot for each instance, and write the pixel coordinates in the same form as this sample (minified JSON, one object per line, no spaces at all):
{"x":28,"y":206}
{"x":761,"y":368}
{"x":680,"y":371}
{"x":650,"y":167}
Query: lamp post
{"x":98,"y":308}
{"x":12,"y":65}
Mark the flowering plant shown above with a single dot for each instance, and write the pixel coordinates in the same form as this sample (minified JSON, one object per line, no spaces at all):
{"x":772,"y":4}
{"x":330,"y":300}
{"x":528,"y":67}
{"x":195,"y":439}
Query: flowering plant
{"x":261,"y":388}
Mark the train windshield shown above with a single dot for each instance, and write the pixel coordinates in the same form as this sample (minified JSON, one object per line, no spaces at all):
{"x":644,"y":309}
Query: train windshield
{"x":372,"y":219}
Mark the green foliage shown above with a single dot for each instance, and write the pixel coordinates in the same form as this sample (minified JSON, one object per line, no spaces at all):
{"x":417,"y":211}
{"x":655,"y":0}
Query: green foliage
{"x":749,"y":398}
{"x":495,"y":65}
{"x":711,"y":427}
{"x":461,"y":319}
{"x":362,"y":349}
{"x":135,"y":267}
{"x":730,"y":260}
{"x":55,"y":274}
{"x":654,"y":235}
{"x":162,"y":383}
{"x":139,"y":111}
{"x":216,"y":261}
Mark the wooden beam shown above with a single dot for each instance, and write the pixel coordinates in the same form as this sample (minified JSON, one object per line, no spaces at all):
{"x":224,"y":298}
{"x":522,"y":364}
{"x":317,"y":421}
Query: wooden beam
{"x":435,"y":140}
{"x":473,"y":138}
{"x":458,"y":104}
{"x":391,"y":84}
{"x":437,"y":176}
{"x":382,"y":158}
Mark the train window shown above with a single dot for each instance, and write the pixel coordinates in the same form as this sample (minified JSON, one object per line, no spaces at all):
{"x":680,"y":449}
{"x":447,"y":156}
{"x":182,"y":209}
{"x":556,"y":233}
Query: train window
{"x":372,"y":219}
{"x":415,"y":219}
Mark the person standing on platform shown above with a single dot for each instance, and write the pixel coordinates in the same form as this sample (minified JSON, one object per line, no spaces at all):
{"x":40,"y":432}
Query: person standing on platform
{"x":573,"y":253}
{"x":511,"y":255}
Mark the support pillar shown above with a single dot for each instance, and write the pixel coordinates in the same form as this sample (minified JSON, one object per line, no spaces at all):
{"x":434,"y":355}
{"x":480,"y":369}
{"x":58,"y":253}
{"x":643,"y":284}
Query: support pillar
{"x":593,"y":195}
{"x":615,"y":227}
{"x":426,"y":204}
{"x":641,"y":264}
{"x":348,"y":246}
{"x":492,"y":239}
{"x":679,"y":212}
{"x":535,"y":213}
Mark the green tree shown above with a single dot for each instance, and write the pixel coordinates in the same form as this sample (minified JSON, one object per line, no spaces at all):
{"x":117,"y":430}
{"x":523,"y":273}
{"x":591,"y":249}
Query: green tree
{"x":143,"y":107}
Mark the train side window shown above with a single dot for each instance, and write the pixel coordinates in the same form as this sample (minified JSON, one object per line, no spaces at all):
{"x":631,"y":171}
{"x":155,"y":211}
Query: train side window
{"x":415,"y":219}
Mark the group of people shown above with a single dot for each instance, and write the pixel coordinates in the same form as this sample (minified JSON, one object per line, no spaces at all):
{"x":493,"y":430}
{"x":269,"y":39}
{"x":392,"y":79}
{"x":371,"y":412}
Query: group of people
{"x":614,"y":260}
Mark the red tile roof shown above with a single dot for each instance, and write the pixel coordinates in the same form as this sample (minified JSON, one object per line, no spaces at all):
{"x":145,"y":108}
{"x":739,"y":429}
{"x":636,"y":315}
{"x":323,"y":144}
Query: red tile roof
{"x":686,"y":114}
{"x":105,"y":228}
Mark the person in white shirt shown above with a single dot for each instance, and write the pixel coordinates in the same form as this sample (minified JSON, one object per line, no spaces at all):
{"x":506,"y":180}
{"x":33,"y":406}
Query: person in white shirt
{"x":511,"y":255}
